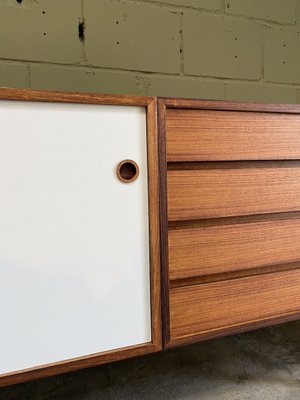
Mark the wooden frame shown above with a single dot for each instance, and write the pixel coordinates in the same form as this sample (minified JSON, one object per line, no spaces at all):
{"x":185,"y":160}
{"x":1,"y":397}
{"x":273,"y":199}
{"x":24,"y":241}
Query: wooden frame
{"x":153,"y":189}
{"x":181,"y":103}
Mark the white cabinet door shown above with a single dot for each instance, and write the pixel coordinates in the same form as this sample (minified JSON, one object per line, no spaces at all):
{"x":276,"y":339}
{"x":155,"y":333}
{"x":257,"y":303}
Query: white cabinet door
{"x":74,"y":239}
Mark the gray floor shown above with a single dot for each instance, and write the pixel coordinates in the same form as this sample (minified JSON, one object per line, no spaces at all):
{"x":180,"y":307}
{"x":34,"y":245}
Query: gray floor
{"x":264,"y":364}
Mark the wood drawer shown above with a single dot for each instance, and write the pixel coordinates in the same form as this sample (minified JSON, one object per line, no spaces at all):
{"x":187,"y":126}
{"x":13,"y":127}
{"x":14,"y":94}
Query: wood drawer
{"x":209,"y":135}
{"x":230,"y":206}
{"x":226,"y":305}
{"x":220,"y":190}
{"x":221,"y":246}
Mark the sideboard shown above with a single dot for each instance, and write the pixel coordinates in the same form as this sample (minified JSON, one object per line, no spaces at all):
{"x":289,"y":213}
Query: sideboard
{"x":133,"y":224}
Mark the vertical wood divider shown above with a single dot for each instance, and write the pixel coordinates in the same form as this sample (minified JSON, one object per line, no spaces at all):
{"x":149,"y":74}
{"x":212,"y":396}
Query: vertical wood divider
{"x":164,"y":222}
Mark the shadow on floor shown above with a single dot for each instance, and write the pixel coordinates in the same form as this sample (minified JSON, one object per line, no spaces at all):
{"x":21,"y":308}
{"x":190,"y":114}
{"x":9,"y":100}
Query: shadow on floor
{"x":263,"y":364}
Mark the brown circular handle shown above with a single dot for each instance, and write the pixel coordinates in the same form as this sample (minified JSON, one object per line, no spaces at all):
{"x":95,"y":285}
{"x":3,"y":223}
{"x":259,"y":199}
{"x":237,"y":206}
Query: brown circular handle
{"x":128,"y":171}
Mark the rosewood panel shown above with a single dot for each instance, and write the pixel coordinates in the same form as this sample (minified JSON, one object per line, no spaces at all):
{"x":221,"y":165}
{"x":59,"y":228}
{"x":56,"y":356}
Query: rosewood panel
{"x":239,"y":244}
{"x":230,"y":190}
{"x":199,"y":309}
{"x":209,"y":135}
{"x":231,"y":252}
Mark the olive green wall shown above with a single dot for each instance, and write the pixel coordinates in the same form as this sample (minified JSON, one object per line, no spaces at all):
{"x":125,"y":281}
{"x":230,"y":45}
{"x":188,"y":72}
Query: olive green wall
{"x":221,"y":49}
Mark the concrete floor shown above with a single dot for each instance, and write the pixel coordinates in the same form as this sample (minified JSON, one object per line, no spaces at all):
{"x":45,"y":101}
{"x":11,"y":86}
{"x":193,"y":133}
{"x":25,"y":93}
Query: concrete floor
{"x":264,"y":364}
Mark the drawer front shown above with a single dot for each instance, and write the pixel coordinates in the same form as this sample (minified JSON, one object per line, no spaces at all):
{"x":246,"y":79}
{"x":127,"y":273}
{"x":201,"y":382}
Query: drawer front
{"x":232,"y":201}
{"x":208,"y":135}
{"x":200,"y":309}
{"x":229,"y":190}
{"x":223,"y":246}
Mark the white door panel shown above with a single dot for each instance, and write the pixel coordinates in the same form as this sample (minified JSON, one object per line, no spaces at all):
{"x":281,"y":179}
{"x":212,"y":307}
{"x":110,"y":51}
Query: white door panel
{"x":74,"y":257}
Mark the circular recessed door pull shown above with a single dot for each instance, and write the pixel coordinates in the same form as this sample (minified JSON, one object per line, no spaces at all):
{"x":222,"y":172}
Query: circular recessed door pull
{"x":128,"y":171}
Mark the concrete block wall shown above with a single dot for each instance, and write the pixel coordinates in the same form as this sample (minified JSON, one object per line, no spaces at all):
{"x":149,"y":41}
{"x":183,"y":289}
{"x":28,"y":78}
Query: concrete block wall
{"x":220,"y":49}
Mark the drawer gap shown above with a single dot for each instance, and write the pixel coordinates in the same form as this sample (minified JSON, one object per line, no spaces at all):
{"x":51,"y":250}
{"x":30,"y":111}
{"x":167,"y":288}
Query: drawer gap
{"x":200,"y":165}
{"x":242,"y":219}
{"x":203,"y":279}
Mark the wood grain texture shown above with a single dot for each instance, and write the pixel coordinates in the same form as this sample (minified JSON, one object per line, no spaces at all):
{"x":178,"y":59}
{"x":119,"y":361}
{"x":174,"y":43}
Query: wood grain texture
{"x":163,"y":223}
{"x":220,"y":192}
{"x":203,"y":250}
{"x":153,"y":189}
{"x":226,"y":208}
{"x":206,"y":135}
{"x":73,"y":97}
{"x":154,"y":224}
{"x":233,"y":329}
{"x":220,"y":305}
{"x":178,"y":103}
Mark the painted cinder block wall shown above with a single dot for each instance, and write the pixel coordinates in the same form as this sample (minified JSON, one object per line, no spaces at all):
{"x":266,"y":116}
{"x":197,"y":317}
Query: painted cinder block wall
{"x":219,"y":49}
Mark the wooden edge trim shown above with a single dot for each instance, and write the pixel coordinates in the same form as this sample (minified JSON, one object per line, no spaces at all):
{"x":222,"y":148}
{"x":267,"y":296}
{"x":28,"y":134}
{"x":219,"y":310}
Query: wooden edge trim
{"x":74,"y":364}
{"x":164,"y":222}
{"x":229,"y":105}
{"x":232,"y":330}
{"x":74,"y":97}
{"x":153,"y":190}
